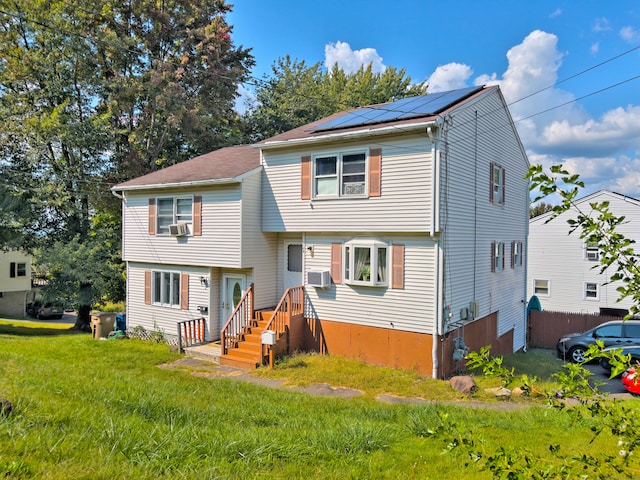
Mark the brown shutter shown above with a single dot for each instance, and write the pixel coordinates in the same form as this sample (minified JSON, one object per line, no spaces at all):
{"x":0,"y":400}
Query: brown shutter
{"x":491,"y":182}
{"x":197,"y":215}
{"x":336,"y":263}
{"x":147,"y":287}
{"x":152,"y":216}
{"x":305,"y":178}
{"x":375,"y":171}
{"x":184,"y":291}
{"x":493,"y":256}
{"x":397,"y":266}
{"x":504,"y":176}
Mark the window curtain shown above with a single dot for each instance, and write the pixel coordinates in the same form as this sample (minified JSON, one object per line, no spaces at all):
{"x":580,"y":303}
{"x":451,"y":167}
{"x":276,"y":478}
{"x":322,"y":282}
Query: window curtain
{"x":361,"y":259}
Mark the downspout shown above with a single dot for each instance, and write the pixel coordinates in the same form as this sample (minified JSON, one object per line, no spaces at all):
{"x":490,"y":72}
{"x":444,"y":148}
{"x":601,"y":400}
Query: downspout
{"x":434,"y":227}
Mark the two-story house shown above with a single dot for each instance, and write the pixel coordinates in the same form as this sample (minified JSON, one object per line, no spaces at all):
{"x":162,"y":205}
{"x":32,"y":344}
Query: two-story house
{"x":406,"y":223}
{"x":564,"y":270}
{"x":15,"y":282}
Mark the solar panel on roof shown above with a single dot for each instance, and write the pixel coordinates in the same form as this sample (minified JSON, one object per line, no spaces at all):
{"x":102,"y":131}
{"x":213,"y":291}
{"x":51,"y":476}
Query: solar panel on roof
{"x":403,"y":109}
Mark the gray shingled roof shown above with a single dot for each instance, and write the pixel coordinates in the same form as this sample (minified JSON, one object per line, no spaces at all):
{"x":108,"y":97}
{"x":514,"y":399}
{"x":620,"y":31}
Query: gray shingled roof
{"x":225,"y":164}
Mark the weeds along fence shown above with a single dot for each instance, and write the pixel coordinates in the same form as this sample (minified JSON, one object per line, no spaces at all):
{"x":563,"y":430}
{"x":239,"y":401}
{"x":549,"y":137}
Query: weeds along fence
{"x":546,"y":327}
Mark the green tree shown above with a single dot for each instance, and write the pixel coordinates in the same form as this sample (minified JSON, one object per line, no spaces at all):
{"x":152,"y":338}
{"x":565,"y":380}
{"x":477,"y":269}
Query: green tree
{"x":97,"y":92}
{"x":539,"y":209}
{"x":297,"y":94}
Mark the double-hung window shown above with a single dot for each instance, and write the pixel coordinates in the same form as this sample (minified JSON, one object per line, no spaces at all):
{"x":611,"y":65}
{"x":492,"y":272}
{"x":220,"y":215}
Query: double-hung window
{"x":366,"y":262}
{"x":173,"y":210}
{"x":591,"y":291}
{"x":497,"y":252}
{"x":341,"y":175}
{"x":496,"y":193}
{"x":516,"y":254}
{"x":166,"y":288}
{"x":17,"y":270}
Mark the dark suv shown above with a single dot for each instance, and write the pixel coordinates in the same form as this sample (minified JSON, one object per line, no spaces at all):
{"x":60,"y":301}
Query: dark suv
{"x":618,"y":333}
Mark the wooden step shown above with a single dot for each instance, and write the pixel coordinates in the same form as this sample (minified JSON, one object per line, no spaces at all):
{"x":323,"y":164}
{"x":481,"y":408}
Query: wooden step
{"x":243,"y":363}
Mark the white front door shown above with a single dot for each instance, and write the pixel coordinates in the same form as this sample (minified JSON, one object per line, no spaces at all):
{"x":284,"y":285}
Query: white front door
{"x":233,"y":289}
{"x":293,"y":258}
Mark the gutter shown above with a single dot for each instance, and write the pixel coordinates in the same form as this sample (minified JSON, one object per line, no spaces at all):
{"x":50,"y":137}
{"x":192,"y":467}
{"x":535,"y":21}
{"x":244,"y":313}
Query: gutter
{"x":345,"y":135}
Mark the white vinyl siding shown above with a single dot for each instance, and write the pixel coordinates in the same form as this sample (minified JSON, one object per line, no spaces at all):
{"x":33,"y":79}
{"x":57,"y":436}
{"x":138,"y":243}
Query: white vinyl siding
{"x":404,"y":204}
{"x":471,"y":223}
{"x":18,"y":282}
{"x":161,"y":318}
{"x":562,"y":258}
{"x":377,"y":306}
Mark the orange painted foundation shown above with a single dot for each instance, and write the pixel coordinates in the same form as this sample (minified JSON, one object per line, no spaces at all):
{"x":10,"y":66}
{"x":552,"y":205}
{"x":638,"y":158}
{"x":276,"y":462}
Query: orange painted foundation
{"x":395,"y":348}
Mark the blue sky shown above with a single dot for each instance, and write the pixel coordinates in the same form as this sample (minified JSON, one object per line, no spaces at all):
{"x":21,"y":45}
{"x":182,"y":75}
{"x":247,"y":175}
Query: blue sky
{"x":567,"y":52}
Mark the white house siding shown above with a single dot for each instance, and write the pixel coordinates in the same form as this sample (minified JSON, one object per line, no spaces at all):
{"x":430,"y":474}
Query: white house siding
{"x":259,"y":250}
{"x":162,"y":318}
{"x":558,"y":257}
{"x":410,"y":309}
{"x":406,"y":181}
{"x":469,"y":222}
{"x":219,"y":244}
{"x":15,"y":284}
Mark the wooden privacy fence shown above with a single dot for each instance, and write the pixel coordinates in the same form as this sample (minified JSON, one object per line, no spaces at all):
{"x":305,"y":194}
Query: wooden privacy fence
{"x":546,"y":327}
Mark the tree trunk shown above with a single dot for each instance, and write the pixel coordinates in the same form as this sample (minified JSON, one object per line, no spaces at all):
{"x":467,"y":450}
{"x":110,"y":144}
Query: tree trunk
{"x":83,"y":320}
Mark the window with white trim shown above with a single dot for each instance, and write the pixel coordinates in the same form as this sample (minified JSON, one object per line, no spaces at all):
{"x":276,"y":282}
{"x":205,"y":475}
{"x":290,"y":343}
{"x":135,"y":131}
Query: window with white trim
{"x":366,"y":262}
{"x":591,"y":291}
{"x":172,"y":210}
{"x":516,"y":254}
{"x":591,"y":252}
{"x":340,"y":175}
{"x":541,"y":287}
{"x":17,"y":270}
{"x":166,"y":288}
{"x":497,"y":264}
{"x":497,"y":184}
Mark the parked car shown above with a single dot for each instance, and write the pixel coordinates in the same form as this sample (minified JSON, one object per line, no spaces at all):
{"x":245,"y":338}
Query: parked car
{"x":631,"y":381}
{"x":618,"y":333}
{"x":633,"y":351}
{"x":46,"y":310}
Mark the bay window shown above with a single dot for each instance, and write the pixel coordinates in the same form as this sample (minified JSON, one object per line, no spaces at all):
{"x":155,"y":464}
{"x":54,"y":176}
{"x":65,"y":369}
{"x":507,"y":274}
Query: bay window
{"x":366,"y":262}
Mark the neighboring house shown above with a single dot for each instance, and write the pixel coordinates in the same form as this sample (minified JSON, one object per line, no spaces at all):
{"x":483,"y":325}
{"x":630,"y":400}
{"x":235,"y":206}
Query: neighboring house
{"x":15,"y":282}
{"x":405,"y":222}
{"x":561,"y":269}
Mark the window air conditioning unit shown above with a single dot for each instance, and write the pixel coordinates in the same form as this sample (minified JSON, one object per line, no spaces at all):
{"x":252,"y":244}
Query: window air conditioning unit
{"x":318,"y":278}
{"x":178,"y":229}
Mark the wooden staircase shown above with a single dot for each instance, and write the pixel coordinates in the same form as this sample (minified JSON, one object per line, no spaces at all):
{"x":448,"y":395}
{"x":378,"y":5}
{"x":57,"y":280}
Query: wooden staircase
{"x":241,"y":337}
{"x":248,"y":352}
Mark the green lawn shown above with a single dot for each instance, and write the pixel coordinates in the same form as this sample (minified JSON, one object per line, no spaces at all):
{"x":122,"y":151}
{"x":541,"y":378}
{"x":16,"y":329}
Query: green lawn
{"x":88,"y":409}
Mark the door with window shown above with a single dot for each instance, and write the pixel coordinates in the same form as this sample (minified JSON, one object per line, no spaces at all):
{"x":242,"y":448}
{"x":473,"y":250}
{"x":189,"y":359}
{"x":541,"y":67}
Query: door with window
{"x":293,"y":259}
{"x":233,"y":289}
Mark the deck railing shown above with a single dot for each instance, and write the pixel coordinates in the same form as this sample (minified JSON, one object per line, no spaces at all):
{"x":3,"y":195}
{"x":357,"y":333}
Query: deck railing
{"x":191,"y":332}
{"x":290,"y":305}
{"x":241,"y":318}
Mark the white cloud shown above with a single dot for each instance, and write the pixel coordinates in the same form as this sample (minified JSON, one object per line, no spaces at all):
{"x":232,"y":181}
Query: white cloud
{"x":601,"y":25}
{"x":351,"y":60}
{"x":449,"y":77}
{"x":628,"y":34}
{"x":556,"y":13}
{"x":245,"y":100}
{"x":595,"y":48}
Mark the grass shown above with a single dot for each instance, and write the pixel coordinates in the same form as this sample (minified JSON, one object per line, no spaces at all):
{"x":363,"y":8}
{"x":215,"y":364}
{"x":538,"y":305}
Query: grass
{"x":88,"y":409}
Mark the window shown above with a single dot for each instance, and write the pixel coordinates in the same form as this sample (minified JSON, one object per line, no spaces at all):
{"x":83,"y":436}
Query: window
{"x":340,"y":175}
{"x":541,"y":287}
{"x":591,"y":291}
{"x":591,"y":252}
{"x":497,"y":252}
{"x":366,"y":262}
{"x":171,"y":211}
{"x":17,"y":270}
{"x":496,"y":193}
{"x":166,"y":288}
{"x":516,"y":254}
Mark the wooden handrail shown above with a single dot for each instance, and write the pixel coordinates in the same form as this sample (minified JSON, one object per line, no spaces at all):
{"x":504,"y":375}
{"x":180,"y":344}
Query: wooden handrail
{"x":241,"y":317}
{"x":191,"y":332}
{"x":291,"y":304}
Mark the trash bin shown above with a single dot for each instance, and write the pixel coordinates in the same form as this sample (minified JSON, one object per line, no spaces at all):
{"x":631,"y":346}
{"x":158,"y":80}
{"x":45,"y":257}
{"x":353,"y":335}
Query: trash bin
{"x":102,"y":324}
{"x":121,"y":322}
